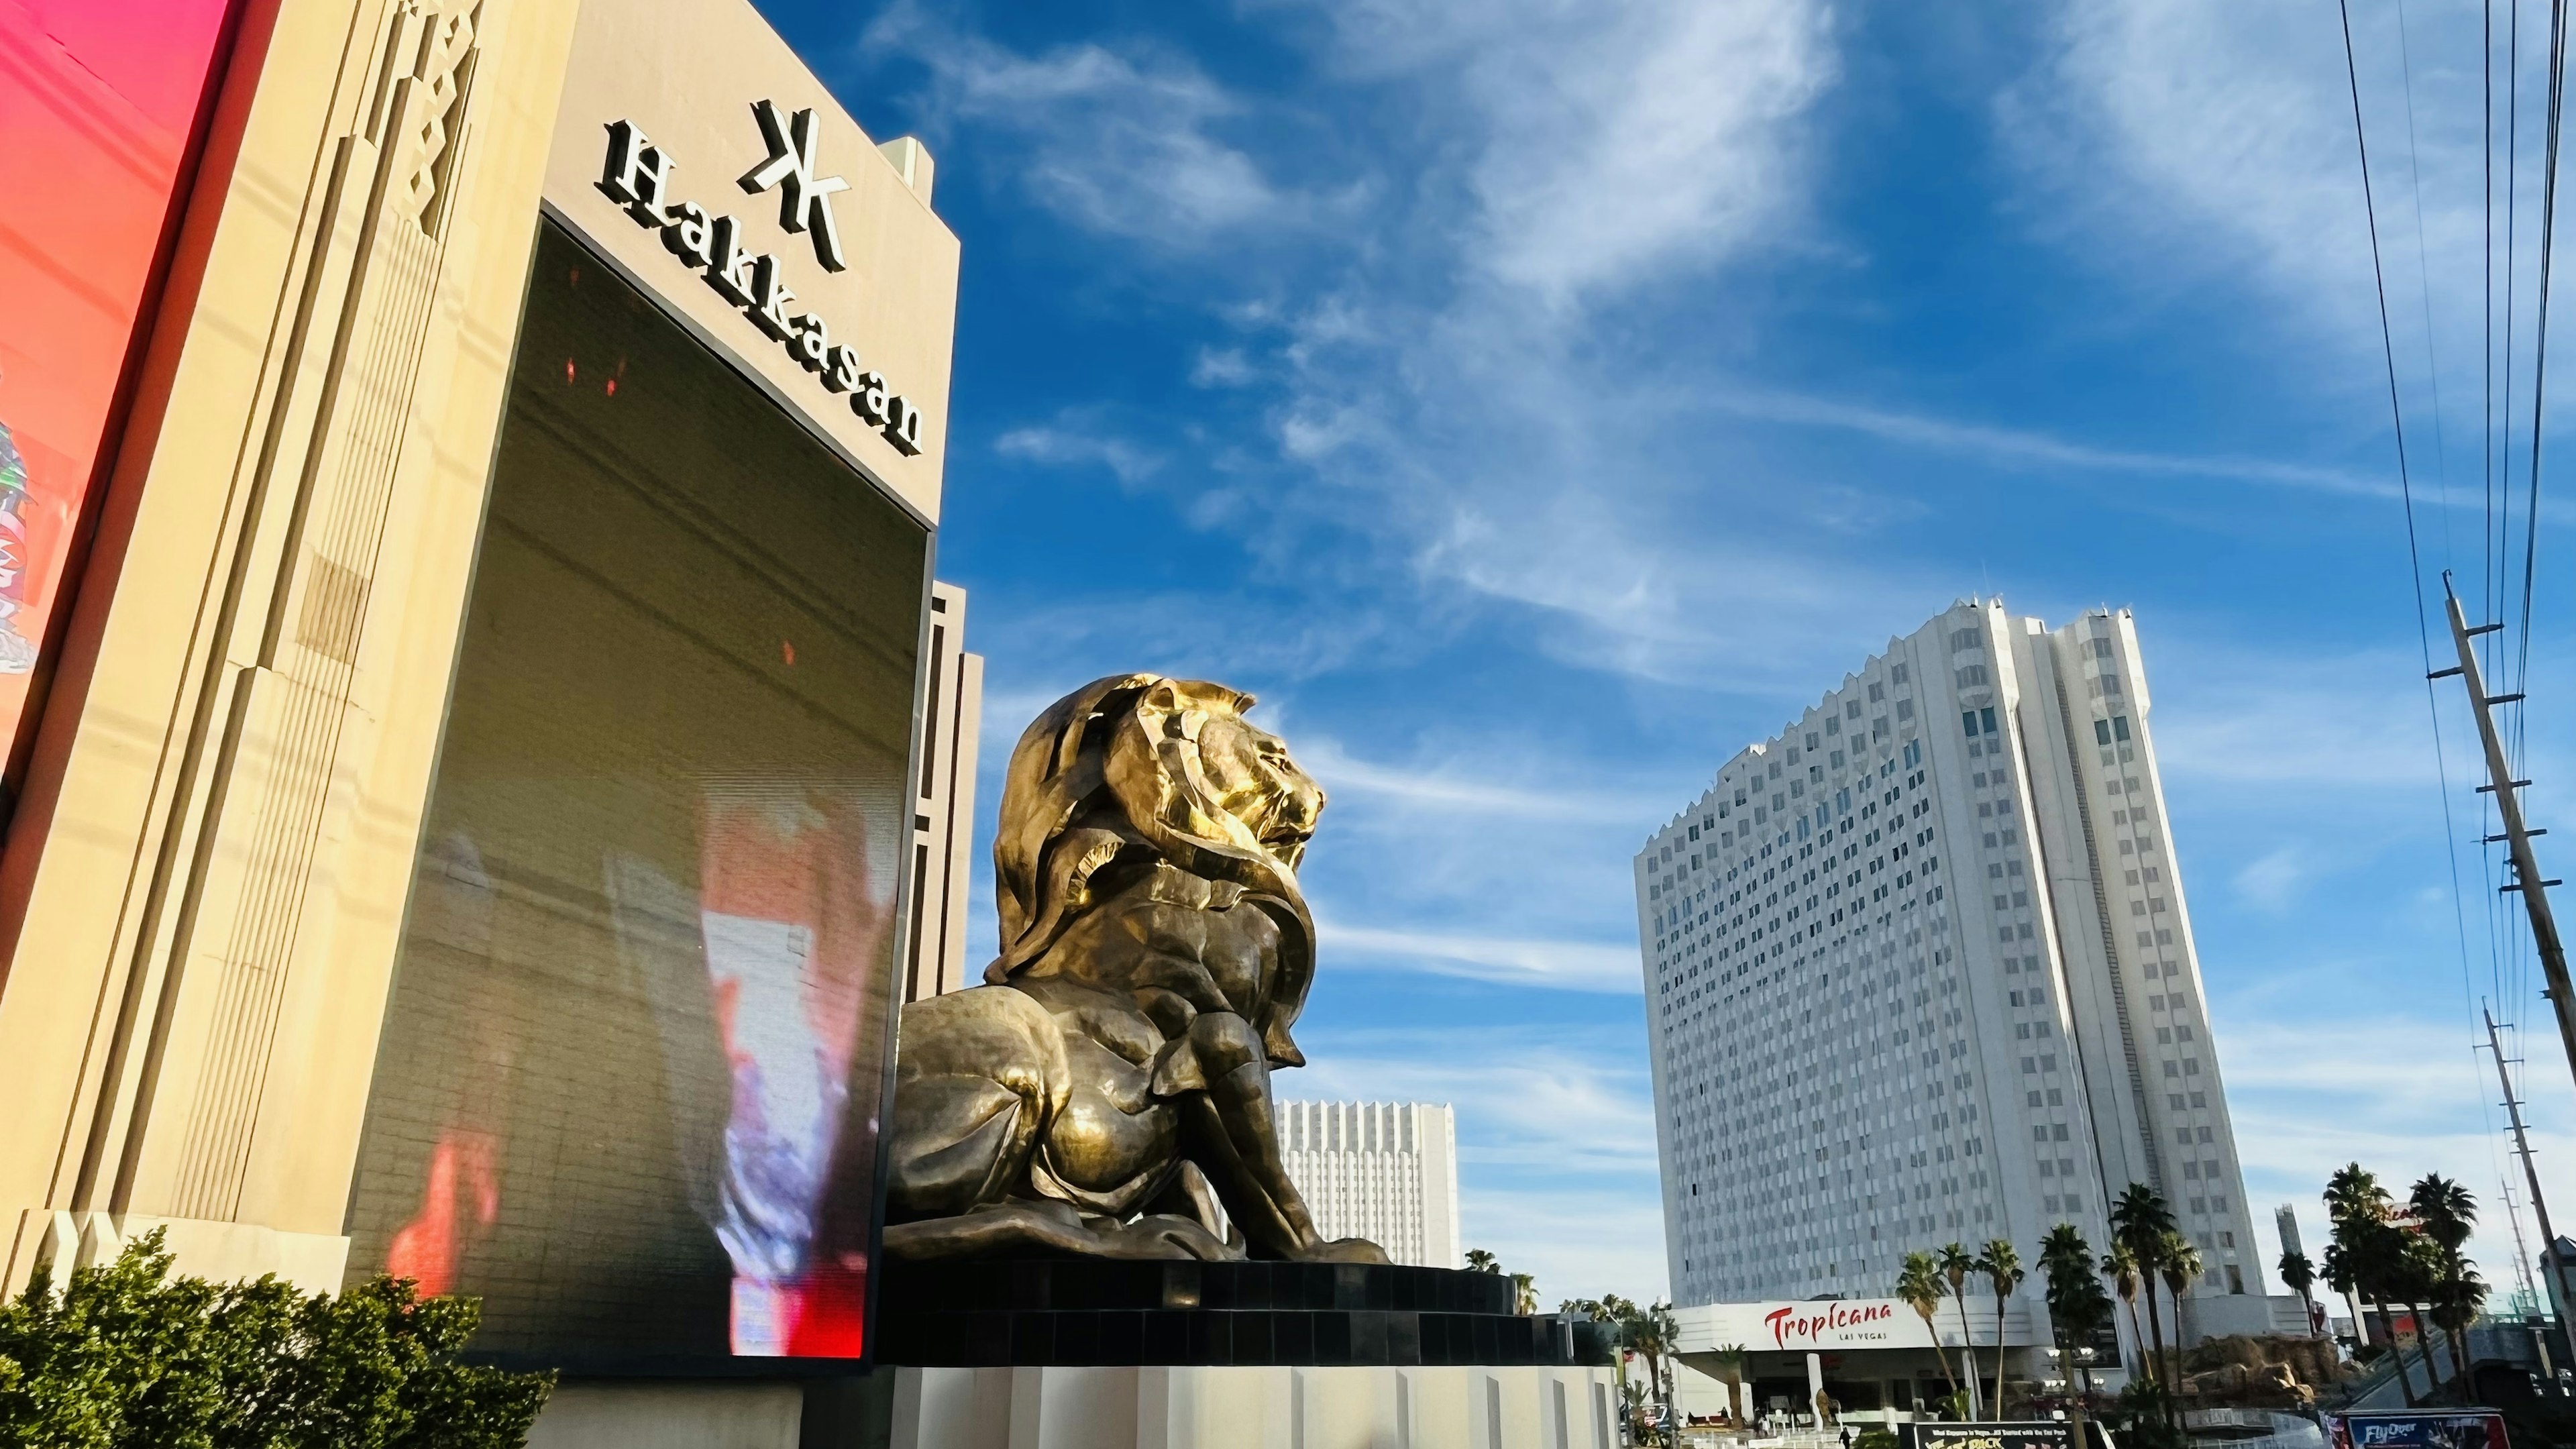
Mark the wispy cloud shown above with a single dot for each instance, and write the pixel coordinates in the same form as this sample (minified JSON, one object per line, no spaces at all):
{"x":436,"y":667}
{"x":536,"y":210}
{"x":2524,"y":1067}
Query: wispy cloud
{"x":1460,"y":786}
{"x":1573,"y":965}
{"x":1556,"y":1141}
{"x":1065,"y":447}
{"x":1613,"y":143}
{"x":2272,"y":879}
{"x":1125,"y":142}
{"x":2023,"y":448}
{"x":2403,"y":1096}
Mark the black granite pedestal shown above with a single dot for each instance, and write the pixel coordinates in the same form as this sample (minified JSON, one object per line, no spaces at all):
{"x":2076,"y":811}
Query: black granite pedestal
{"x":1099,"y":1311}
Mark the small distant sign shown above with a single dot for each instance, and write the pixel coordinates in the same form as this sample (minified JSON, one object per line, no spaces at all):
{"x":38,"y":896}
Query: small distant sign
{"x":2027,"y":1434}
{"x":2440,"y":1429}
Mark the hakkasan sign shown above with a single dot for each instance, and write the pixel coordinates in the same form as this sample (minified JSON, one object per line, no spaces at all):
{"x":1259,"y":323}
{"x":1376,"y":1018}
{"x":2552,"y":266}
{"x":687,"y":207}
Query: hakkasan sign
{"x":1819,"y":1324}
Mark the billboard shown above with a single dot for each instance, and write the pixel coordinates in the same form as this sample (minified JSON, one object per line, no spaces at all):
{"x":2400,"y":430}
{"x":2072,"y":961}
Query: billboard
{"x":2428,"y":1429}
{"x":99,"y":102}
{"x":629,"y":1083}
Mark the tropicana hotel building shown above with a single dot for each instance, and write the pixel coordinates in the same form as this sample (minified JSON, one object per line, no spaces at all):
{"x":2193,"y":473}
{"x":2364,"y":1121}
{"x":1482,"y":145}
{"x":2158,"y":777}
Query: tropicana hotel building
{"x":1919,"y":971}
{"x":483,"y":736}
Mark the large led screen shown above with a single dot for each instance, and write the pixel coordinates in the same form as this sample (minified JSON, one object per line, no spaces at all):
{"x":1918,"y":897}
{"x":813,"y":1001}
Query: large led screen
{"x":632,"y":1066}
{"x":98,"y":103}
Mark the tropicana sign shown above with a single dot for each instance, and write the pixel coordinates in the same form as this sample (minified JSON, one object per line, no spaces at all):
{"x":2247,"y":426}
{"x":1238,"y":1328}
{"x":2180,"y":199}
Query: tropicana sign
{"x":1829,"y":1324}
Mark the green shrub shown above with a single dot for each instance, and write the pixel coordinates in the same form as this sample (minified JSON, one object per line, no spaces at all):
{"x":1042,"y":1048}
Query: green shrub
{"x":126,"y":1357}
{"x":1874,"y":1439}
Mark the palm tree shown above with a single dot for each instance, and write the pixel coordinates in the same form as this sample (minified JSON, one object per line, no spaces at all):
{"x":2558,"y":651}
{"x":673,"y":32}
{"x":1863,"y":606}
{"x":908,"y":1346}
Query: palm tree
{"x":1731,"y":1361}
{"x":1956,"y":1265}
{"x":2379,"y":1267}
{"x":2077,"y":1308}
{"x":2301,"y":1275}
{"x":2372,"y":1251}
{"x":2417,"y":1280}
{"x":2120,"y":1265}
{"x":1918,"y":1283}
{"x":1614,"y":1313}
{"x":2447,"y":1213}
{"x":1661,"y":1330}
{"x":2462,"y":1298}
{"x":1480,"y":1261}
{"x":2141,"y":1221}
{"x":1644,"y":1338}
{"x":1524,"y":1293}
{"x":2178,"y":1264}
{"x":2002,"y":1266}
{"x":2342,"y":1278}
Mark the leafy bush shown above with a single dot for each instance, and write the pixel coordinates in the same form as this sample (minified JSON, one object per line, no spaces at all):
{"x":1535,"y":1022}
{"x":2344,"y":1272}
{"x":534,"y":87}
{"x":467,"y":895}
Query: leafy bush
{"x":126,"y":1357}
{"x":1874,"y":1439}
{"x":2141,"y":1419}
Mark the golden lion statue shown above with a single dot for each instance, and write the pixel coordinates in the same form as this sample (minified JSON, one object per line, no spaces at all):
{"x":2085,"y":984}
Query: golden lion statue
{"x":1110,"y":1085}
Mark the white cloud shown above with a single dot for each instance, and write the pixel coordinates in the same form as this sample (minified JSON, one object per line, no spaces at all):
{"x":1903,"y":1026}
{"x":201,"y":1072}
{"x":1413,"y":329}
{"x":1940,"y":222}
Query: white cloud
{"x":2194,"y":144}
{"x":2272,"y":879}
{"x":2024,"y":448}
{"x":1556,"y":1141}
{"x":1523,"y":1098}
{"x":2283,"y":719}
{"x":1125,"y":143}
{"x":1616,"y":142}
{"x":2402,"y":1095}
{"x":1475,"y":785}
{"x":1507,"y":960}
{"x":1220,"y":367}
{"x":1062,"y":447}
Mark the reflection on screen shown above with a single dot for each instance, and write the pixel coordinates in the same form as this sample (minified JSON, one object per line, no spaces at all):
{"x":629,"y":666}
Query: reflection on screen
{"x":629,"y":1083}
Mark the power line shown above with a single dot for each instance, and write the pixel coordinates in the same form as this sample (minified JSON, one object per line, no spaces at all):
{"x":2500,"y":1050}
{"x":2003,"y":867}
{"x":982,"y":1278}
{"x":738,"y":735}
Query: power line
{"x":2540,"y":334}
{"x":2405,"y":482}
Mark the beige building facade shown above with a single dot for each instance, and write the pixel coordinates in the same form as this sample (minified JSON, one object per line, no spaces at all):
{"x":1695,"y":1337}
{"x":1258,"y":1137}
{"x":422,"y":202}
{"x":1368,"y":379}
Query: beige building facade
{"x":255,"y":748}
{"x":935,"y":958}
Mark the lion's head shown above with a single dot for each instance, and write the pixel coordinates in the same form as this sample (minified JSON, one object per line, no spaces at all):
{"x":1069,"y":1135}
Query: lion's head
{"x":1140,"y":765}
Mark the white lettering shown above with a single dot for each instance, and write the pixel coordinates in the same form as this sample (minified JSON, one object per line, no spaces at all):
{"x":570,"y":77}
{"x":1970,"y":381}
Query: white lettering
{"x":841,"y":372}
{"x":728,"y":265}
{"x":770,"y":295}
{"x":812,"y":345}
{"x":691,"y":234}
{"x":637,"y":176}
{"x":804,"y":199}
{"x":903,"y":426}
{"x":868,"y":400}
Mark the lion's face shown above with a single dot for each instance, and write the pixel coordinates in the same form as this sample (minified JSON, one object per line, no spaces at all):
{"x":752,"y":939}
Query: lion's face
{"x":1255,"y":781}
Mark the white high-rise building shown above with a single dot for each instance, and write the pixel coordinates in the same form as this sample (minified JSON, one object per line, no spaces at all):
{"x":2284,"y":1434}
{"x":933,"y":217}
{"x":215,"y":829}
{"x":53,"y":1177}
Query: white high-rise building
{"x":1384,"y":1171}
{"x":1918,"y":971}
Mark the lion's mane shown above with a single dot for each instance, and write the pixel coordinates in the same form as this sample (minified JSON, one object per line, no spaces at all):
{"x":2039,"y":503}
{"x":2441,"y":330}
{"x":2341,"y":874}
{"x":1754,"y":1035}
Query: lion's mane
{"x":1112,"y":771}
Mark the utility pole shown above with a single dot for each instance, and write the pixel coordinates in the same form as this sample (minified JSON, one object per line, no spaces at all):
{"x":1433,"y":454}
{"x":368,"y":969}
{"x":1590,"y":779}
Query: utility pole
{"x":2526,"y":870}
{"x":2549,"y":1264}
{"x":2521,"y":1249}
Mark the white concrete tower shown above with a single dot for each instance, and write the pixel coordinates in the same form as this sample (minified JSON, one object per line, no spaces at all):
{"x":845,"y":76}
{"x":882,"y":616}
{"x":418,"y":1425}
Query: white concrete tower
{"x":1919,"y":971}
{"x":1384,"y":1171}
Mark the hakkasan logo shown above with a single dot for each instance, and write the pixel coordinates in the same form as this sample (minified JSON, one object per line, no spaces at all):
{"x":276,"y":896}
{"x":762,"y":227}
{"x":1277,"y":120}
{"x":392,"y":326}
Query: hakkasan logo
{"x":638,"y":177}
{"x":1842,"y":1320}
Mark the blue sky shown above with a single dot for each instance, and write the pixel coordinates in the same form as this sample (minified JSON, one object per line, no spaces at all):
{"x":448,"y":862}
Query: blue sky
{"x":1533,"y":402}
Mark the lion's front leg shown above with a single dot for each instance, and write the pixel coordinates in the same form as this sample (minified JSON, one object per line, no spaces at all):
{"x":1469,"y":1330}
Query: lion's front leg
{"x":1235,"y":1139}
